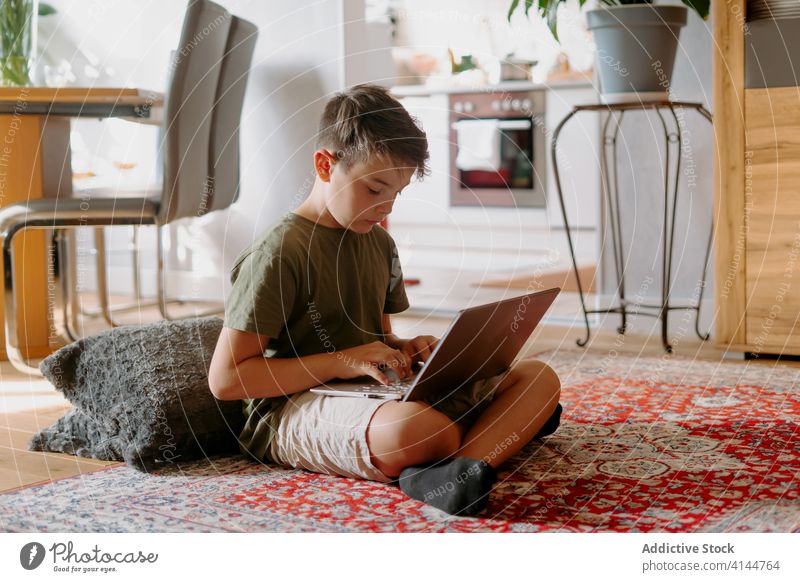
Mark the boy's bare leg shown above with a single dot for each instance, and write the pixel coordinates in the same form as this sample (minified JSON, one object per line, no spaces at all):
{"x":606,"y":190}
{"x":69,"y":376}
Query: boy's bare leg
{"x":525,"y":399}
{"x":401,"y":434}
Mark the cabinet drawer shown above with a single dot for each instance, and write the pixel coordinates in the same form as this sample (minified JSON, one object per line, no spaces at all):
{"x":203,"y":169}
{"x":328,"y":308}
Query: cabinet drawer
{"x":772,"y":211}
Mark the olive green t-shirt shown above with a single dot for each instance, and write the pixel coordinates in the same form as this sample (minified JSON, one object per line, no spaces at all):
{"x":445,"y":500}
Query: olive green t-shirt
{"x":310,"y":289}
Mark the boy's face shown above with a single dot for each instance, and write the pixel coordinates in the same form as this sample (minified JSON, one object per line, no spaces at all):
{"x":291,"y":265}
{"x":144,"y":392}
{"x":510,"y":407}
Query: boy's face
{"x":359,"y":198}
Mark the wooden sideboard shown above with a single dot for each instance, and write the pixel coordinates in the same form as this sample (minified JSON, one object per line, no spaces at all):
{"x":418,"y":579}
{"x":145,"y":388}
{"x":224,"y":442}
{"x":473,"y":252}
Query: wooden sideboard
{"x":756,"y":200}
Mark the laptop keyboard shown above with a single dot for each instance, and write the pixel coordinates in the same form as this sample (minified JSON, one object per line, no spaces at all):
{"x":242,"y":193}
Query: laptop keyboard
{"x":388,"y":389}
{"x":395,"y":385}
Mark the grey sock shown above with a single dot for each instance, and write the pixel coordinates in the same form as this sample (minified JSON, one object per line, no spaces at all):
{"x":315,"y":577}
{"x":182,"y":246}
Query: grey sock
{"x":551,"y":424}
{"x":458,"y":486}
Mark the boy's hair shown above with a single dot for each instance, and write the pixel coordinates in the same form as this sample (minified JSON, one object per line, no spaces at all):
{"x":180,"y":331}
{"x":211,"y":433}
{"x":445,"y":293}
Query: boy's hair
{"x":364,"y":122}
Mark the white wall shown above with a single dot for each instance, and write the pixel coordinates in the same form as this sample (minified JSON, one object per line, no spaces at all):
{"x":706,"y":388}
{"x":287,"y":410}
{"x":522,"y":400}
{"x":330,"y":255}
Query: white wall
{"x":297,"y":65}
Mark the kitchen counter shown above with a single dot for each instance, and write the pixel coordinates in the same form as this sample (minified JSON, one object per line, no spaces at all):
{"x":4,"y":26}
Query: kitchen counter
{"x":424,"y":90}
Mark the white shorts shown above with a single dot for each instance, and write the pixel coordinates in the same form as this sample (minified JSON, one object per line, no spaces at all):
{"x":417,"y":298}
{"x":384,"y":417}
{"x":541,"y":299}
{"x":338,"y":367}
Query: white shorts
{"x":328,"y":434}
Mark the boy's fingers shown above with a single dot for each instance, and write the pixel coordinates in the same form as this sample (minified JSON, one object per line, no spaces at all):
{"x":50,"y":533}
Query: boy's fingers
{"x":402,"y":360}
{"x":379,"y":376}
{"x":394,"y":359}
{"x":423,"y":346}
{"x":376,"y":373}
{"x":425,"y":352}
{"x":405,"y":363}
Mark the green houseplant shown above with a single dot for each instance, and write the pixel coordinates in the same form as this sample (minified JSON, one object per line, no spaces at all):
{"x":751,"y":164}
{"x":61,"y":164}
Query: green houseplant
{"x":636,"y":42}
{"x":18,"y":39}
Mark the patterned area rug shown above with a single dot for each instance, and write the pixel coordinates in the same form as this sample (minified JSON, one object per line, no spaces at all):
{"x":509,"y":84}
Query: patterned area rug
{"x":661,"y":444}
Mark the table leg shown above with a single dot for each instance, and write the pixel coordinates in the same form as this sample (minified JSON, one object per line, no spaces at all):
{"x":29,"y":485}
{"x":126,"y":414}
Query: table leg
{"x":31,"y":147}
{"x":11,"y":329}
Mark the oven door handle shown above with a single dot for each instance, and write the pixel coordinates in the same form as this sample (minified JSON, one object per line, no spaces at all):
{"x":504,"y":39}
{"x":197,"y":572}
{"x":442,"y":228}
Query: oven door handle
{"x":506,"y":124}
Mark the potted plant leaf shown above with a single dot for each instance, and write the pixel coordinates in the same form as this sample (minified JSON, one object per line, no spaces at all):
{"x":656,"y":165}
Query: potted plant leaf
{"x":18,"y":39}
{"x":636,"y":43}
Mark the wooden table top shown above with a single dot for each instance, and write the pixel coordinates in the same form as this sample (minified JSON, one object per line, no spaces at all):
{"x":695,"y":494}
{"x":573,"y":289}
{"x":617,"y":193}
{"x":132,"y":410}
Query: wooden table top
{"x":80,"y":101}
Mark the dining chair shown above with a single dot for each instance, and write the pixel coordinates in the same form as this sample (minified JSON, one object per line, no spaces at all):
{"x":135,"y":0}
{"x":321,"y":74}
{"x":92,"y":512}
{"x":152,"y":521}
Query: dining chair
{"x":193,"y":94}
{"x":221,"y":187}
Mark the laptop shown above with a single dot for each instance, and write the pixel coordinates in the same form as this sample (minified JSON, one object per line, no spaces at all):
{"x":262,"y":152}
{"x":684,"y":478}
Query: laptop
{"x":480,"y":342}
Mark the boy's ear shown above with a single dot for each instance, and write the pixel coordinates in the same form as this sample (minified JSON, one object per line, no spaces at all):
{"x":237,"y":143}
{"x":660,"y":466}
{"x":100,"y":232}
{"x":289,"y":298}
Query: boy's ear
{"x":323,"y":164}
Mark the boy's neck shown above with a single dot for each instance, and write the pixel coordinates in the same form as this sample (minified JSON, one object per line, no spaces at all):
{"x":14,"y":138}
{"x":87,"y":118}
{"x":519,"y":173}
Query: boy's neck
{"x":313,"y":208}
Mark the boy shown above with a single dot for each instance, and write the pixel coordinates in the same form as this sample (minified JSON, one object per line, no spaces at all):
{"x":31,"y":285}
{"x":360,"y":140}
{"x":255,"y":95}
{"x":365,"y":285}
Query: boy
{"x":311,"y":301}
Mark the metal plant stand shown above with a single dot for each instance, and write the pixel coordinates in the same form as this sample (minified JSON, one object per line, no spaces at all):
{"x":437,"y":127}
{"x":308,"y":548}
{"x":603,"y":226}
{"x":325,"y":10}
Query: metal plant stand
{"x":672,"y":138}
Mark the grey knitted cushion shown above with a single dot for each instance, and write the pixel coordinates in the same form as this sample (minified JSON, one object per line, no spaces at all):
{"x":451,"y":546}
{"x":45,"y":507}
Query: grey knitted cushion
{"x":140,"y":394}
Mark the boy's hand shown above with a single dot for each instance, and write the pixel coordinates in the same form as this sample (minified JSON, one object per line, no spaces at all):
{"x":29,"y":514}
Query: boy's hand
{"x":420,"y":348}
{"x":365,"y":361}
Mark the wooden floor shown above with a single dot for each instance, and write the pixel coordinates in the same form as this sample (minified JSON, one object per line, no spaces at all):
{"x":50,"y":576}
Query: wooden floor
{"x":28,"y":404}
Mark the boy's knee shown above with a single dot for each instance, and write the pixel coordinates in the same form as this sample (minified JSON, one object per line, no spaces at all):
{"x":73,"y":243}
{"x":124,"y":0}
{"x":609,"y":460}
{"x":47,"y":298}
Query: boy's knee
{"x":415,"y":433}
{"x":539,"y":376}
{"x":553,"y":381}
{"x":427,"y":428}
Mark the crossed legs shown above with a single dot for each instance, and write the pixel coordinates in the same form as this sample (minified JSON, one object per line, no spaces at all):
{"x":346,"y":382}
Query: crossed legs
{"x":404,"y":434}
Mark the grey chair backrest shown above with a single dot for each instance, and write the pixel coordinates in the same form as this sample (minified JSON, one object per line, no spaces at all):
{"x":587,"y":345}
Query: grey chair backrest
{"x":190,"y":102}
{"x":223,"y":185}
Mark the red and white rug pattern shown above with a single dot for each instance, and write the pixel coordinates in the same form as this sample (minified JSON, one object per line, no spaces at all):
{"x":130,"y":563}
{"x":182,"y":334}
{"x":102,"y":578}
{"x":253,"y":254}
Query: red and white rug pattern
{"x":649,"y":444}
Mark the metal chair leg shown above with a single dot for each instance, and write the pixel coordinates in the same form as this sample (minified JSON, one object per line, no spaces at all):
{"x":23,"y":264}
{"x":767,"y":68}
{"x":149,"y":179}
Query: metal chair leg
{"x":63,"y":277}
{"x":72,"y":304}
{"x":59,"y":280}
{"x":75,"y":302}
{"x":66,"y":283}
{"x":102,"y":276}
{"x":161,"y":302}
{"x":137,"y":282}
{"x":160,"y":283}
{"x":102,"y":285}
{"x":102,"y":280}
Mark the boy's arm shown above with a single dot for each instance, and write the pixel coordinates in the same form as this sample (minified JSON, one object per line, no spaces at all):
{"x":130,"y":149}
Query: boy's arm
{"x":389,"y":338}
{"x":239,"y":369}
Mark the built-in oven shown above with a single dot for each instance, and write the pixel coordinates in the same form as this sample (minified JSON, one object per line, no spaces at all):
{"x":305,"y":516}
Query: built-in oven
{"x":497,"y":149}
